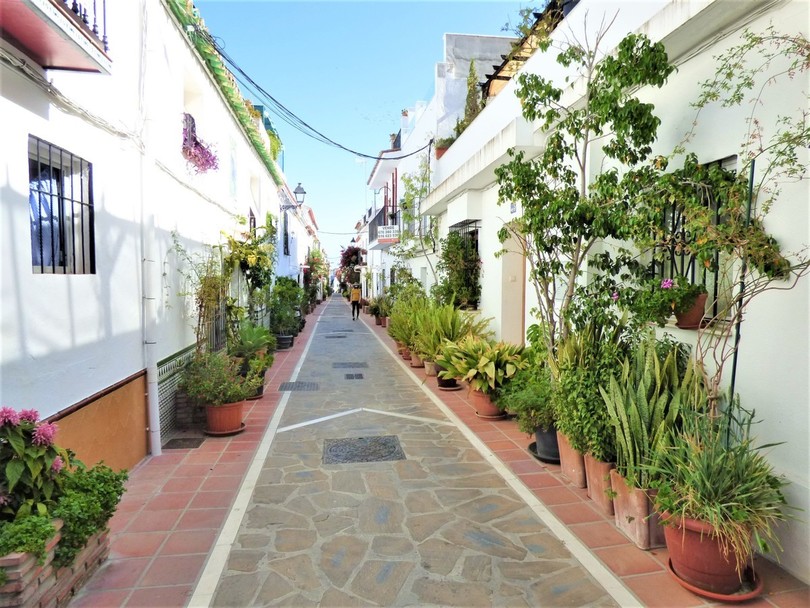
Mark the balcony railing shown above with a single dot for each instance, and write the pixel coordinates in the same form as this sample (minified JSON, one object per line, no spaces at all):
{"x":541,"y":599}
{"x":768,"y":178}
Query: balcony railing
{"x":59,"y":34}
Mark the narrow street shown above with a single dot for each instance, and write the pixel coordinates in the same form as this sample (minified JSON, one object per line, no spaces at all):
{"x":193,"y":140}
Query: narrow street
{"x":357,"y":483}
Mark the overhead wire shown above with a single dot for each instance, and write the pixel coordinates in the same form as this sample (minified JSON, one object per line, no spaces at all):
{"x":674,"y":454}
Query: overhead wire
{"x":287,"y":115}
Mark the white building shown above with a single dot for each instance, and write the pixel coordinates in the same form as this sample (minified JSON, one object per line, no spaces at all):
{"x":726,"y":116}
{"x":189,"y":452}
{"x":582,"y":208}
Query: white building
{"x":95,"y":190}
{"x":774,"y":354}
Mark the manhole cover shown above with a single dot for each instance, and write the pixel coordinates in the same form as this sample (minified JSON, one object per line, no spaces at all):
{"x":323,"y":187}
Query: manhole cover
{"x":349,"y":364}
{"x":362,"y":449}
{"x":183,"y":443}
{"x":354,"y":376}
{"x":298,"y":386}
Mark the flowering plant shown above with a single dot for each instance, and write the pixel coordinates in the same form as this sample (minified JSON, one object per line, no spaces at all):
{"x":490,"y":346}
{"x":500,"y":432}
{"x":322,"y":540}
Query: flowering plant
{"x":655,"y":301}
{"x":31,"y":464}
{"x":199,"y":154}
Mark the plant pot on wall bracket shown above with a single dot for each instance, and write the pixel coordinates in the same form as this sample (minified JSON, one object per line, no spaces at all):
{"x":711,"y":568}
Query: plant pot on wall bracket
{"x":692,"y":318}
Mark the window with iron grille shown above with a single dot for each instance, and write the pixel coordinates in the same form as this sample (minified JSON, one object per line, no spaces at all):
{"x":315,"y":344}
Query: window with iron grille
{"x":674,"y":262}
{"x":286,"y":236}
{"x":251,"y":222}
{"x":60,"y":200}
{"x":460,"y":265}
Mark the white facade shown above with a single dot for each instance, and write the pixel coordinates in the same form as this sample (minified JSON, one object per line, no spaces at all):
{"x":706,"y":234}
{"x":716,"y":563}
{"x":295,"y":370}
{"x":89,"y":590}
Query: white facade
{"x":67,"y":337}
{"x":774,"y":352}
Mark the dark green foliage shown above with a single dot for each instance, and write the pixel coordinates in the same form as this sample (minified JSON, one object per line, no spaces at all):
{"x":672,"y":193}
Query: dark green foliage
{"x":90,"y":499}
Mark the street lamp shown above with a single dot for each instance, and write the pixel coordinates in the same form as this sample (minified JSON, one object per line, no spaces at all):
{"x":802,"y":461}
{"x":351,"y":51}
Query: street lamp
{"x":299,"y":193}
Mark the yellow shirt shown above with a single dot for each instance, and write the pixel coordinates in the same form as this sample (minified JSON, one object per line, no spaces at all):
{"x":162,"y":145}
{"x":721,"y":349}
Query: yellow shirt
{"x":355,"y":296}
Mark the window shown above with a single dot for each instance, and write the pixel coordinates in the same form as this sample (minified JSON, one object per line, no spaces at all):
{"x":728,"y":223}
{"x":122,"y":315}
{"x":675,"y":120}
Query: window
{"x":675,"y":262}
{"x":286,"y":235}
{"x":60,"y":200}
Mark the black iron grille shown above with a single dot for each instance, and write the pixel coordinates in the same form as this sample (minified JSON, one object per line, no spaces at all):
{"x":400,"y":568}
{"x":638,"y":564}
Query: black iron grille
{"x":298,"y":386}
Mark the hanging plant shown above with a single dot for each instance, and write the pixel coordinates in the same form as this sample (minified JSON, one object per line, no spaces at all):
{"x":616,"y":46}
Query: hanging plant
{"x":199,"y":155}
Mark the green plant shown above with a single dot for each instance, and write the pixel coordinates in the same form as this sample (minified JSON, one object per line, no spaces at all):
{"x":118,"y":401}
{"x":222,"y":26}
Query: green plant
{"x":253,"y":253}
{"x":644,"y":402}
{"x":32,"y":465}
{"x":215,"y":379}
{"x":459,"y":270}
{"x":90,"y":499}
{"x":711,"y":470}
{"x":484,"y":365}
{"x":374,"y":307}
{"x":286,"y":298}
{"x":563,"y":215}
{"x":206,"y":283}
{"x":402,"y":324}
{"x":529,"y":394}
{"x":585,"y":361}
{"x":655,"y":301}
{"x":26,"y":535}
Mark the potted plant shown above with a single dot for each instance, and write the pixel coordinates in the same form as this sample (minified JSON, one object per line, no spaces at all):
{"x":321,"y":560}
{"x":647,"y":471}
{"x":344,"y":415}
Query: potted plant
{"x":716,"y":492}
{"x":484,"y":365}
{"x":585,"y":360}
{"x":657,"y":300}
{"x":252,"y":345}
{"x":214,"y":380}
{"x":374,"y":310}
{"x":529,"y":395}
{"x":644,"y":402}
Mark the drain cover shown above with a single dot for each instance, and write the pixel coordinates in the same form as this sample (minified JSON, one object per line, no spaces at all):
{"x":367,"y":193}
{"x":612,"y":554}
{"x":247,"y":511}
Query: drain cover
{"x":354,"y":376}
{"x":362,"y":449}
{"x":335,"y":336}
{"x":349,"y":364}
{"x":183,"y":443}
{"x":298,"y":386}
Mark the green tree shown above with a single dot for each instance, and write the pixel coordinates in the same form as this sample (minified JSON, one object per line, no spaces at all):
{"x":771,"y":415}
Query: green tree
{"x":563,"y":217}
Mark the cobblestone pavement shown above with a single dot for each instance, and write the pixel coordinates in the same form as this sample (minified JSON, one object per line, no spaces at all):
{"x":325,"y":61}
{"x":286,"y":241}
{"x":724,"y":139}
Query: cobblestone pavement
{"x":439,"y":527}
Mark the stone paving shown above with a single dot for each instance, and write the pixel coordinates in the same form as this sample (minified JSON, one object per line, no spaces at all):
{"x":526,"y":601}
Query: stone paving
{"x":438,"y":528}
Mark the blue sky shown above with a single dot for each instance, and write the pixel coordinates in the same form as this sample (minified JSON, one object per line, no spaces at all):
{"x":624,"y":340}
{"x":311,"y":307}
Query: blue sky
{"x":347,"y":69}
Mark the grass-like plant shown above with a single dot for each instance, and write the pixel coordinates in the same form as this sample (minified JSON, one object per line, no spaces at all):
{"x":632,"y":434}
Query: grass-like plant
{"x":711,"y":470}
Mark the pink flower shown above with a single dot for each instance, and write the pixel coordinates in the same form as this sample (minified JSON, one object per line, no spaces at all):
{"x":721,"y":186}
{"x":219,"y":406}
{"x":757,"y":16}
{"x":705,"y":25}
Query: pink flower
{"x":57,"y":464}
{"x":4,"y":500}
{"x":44,"y":434}
{"x":9,"y":416}
{"x":29,"y":415}
{"x":666,"y":284}
{"x":614,"y":296}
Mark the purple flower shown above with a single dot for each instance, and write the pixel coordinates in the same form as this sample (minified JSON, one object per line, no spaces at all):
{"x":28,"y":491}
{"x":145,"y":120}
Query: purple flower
{"x":57,"y":464}
{"x":614,"y":296}
{"x":29,"y":415}
{"x":9,"y":416}
{"x":666,"y":284}
{"x":44,"y":434}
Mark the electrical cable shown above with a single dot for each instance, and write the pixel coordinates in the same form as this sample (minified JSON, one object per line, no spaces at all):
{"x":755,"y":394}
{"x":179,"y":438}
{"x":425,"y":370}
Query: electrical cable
{"x":287,"y":115}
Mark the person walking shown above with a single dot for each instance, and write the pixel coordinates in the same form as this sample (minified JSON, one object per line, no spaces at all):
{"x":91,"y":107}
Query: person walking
{"x":354,"y":298}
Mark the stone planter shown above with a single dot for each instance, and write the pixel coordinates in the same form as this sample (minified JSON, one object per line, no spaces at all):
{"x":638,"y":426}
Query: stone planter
{"x":29,"y":584}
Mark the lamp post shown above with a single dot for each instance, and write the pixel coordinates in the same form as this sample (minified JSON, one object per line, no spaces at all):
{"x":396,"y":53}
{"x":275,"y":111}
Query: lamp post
{"x":299,"y":193}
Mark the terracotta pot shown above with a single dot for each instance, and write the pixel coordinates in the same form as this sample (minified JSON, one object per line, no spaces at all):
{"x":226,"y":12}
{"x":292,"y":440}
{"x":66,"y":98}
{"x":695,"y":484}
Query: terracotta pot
{"x":416,"y":360}
{"x":692,"y":318}
{"x":384,"y":321}
{"x":697,"y":556}
{"x":572,"y":463}
{"x":484,"y":407}
{"x":597,"y":478}
{"x":406,"y":353}
{"x":377,"y":321}
{"x":430,"y":369}
{"x":224,"y":419}
{"x":634,"y":514}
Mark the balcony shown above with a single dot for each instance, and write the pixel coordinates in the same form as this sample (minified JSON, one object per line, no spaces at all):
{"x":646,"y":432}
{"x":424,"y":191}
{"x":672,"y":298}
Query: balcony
{"x":381,"y":234}
{"x":59,"y":34}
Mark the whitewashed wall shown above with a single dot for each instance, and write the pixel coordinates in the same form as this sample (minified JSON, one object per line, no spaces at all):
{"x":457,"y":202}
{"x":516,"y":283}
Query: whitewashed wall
{"x":68,"y":337}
